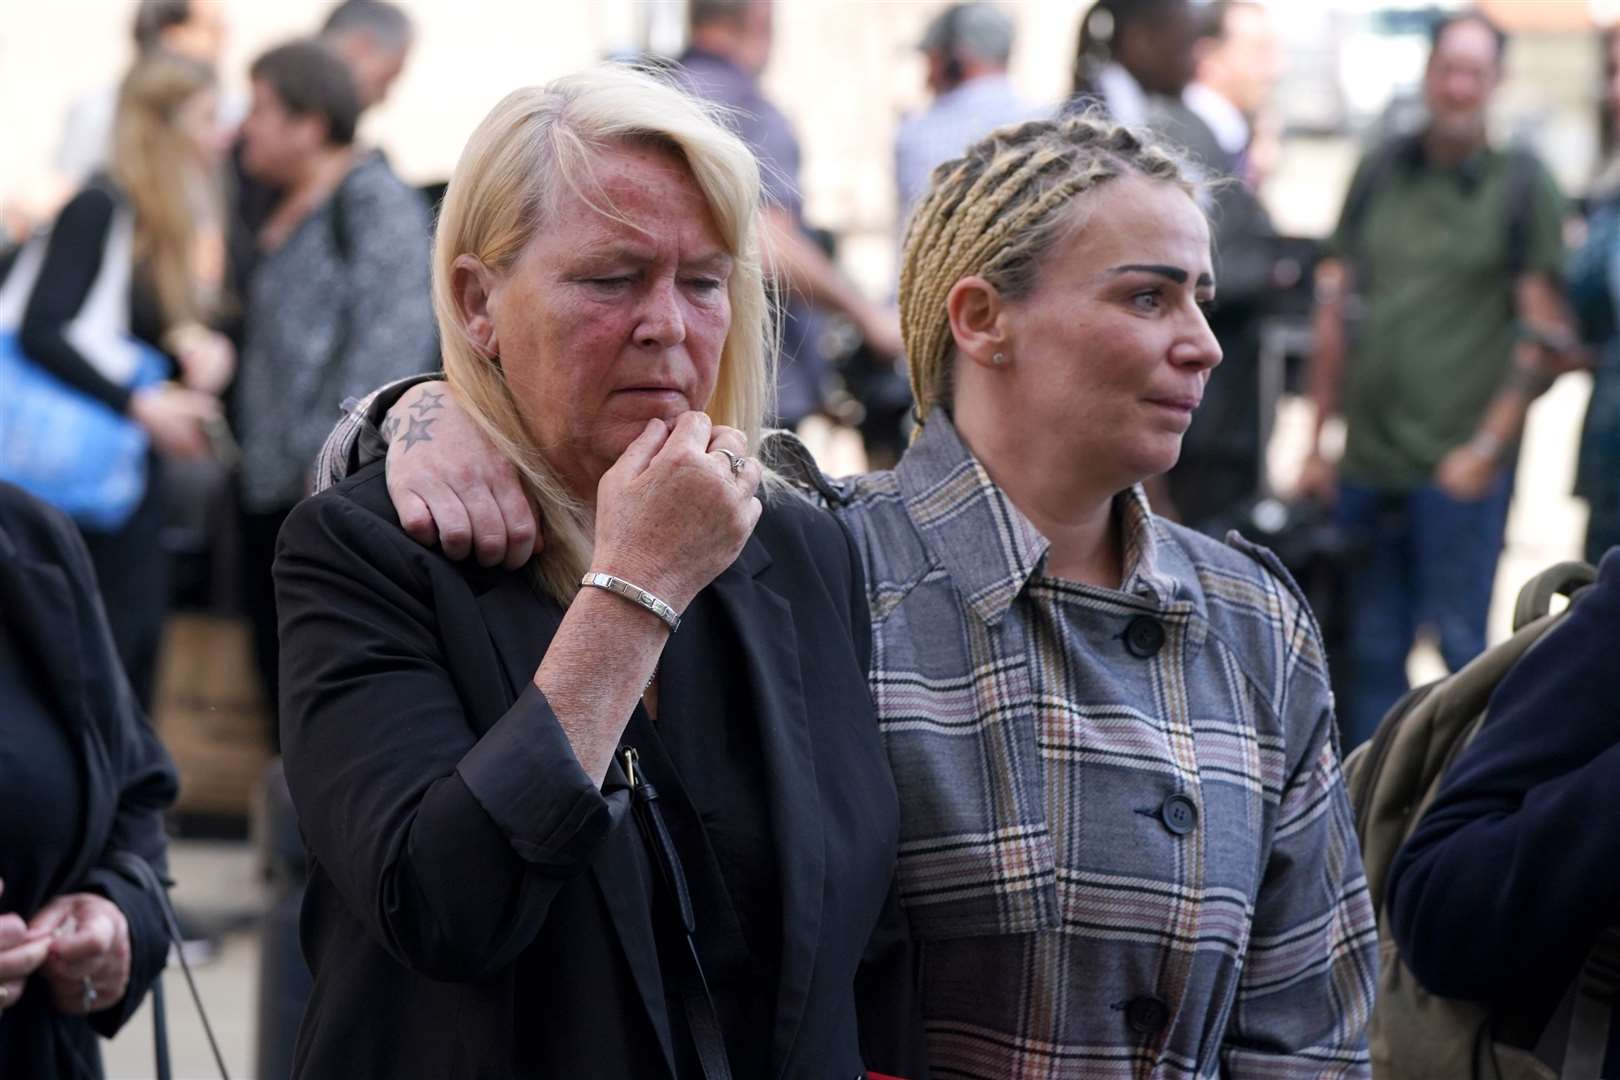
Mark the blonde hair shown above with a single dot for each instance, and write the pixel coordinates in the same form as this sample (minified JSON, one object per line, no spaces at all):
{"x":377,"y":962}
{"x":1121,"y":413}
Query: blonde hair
{"x":149,"y":161}
{"x":995,"y":212}
{"x":535,"y":146}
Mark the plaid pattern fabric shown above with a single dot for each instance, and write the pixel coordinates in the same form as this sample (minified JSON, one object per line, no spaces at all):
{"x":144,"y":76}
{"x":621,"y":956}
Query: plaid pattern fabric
{"x":357,"y":439}
{"x":1074,"y":920}
{"x":1126,"y":847}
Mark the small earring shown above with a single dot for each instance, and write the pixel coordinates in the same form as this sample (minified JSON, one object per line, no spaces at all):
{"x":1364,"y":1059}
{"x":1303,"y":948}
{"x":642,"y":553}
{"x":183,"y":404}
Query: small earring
{"x":999,"y":359}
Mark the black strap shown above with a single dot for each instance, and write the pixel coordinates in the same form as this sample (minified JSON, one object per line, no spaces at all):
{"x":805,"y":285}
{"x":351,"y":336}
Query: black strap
{"x":1595,"y":991}
{"x":140,"y":871}
{"x":702,"y":1020}
{"x":331,"y":372}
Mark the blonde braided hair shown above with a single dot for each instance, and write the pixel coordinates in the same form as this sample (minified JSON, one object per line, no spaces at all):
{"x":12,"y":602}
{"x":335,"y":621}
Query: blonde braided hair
{"x":995,"y":212}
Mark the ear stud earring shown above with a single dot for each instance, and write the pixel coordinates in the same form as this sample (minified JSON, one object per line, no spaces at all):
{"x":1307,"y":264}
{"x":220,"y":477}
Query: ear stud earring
{"x":999,"y":359}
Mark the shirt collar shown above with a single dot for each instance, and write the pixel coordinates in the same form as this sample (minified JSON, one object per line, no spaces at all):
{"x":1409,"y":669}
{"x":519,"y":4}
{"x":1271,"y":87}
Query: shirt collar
{"x":1225,"y":120}
{"x":1126,"y":99}
{"x":992,"y":86}
{"x":1148,"y":571}
{"x":986,"y":545}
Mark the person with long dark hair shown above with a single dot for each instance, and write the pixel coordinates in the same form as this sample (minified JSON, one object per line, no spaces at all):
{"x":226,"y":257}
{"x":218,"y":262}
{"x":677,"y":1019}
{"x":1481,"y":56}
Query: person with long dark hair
{"x":1129,"y":51}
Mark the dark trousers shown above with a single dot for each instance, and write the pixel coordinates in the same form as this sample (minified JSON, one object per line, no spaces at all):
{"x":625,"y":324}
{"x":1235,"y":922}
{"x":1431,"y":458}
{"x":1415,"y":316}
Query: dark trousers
{"x":132,"y":570}
{"x":1427,"y":560}
{"x":259,"y":531}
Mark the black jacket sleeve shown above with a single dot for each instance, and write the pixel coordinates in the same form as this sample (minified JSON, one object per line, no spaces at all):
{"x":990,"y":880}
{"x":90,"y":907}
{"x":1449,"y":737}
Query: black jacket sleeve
{"x":72,"y":261}
{"x":1506,"y":882}
{"x":449,"y":845}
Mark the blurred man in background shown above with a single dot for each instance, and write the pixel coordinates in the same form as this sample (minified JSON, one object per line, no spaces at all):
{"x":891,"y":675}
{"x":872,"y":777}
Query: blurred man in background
{"x":1238,"y":64}
{"x":1446,"y":258}
{"x":730,"y":46}
{"x":374,"y":39}
{"x":966,"y":46}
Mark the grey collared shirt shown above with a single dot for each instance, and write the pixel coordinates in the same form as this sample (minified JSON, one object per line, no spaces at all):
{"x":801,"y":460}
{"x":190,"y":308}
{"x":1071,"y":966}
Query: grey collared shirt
{"x":944,"y":130}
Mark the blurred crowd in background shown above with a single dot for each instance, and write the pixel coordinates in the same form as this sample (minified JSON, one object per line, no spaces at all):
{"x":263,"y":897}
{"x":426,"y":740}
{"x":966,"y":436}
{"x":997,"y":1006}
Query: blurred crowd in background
{"x":225,"y":237}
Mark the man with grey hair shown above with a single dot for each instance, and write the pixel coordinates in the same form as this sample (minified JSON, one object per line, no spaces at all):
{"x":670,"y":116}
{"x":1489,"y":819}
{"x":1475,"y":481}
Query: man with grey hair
{"x":967,"y":47}
{"x":374,"y":38}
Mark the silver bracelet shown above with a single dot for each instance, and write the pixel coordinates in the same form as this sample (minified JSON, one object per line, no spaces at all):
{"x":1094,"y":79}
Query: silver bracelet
{"x":636,"y":595}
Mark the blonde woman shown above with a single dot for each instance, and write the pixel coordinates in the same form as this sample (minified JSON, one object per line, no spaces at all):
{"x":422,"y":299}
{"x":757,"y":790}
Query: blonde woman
{"x":1126,"y":848}
{"x":503,"y":776}
{"x":139,"y":253}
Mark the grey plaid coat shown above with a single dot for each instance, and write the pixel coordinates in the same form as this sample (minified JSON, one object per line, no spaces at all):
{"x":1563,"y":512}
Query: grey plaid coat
{"x":1126,"y":848}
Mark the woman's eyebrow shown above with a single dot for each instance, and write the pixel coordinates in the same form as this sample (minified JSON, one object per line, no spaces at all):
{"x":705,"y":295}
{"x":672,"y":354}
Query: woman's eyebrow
{"x":1174,"y":273}
{"x":715,"y":261}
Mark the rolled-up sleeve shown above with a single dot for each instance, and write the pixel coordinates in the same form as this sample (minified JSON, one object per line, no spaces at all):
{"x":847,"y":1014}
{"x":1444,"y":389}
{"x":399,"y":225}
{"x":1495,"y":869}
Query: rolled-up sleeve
{"x":550,"y":825}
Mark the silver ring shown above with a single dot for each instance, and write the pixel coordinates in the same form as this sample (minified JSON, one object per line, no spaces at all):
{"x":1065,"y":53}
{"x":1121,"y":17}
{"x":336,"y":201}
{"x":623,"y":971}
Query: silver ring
{"x":736,"y":462}
{"x":89,"y":994}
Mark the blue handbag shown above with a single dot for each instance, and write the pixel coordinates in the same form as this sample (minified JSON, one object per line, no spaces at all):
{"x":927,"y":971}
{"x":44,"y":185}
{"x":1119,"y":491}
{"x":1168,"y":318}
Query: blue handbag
{"x":67,"y":448}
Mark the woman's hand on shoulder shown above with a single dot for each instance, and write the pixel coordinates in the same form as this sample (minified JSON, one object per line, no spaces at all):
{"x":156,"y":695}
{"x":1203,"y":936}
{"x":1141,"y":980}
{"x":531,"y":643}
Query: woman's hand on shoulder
{"x":457,"y":491}
{"x":672,"y":513}
{"x":87,"y":968}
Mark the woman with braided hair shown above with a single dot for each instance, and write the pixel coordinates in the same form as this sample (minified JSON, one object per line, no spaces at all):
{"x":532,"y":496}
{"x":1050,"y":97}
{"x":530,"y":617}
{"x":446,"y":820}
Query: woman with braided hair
{"x":1126,"y":849}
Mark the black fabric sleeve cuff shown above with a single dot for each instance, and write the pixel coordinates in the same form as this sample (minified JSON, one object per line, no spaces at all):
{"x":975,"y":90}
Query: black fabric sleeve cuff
{"x":524,"y":774}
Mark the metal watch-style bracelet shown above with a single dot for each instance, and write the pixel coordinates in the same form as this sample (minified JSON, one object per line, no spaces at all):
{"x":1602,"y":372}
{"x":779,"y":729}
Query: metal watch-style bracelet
{"x":636,"y":595}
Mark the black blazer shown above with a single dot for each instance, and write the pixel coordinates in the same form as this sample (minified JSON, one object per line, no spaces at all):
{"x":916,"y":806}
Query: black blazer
{"x":1221,"y":453}
{"x":477,"y":907}
{"x":54,"y":615}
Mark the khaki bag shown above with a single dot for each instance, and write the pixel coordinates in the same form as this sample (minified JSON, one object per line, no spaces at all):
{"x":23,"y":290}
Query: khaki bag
{"x":211,"y":714}
{"x":1392,"y":778}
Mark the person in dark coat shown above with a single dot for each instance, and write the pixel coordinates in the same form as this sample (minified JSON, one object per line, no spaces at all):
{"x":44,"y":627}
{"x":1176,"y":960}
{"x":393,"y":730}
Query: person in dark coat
{"x":1507,"y":881}
{"x":1238,"y":63}
{"x":470,"y":749}
{"x":82,"y":778}
{"x":1128,"y":53}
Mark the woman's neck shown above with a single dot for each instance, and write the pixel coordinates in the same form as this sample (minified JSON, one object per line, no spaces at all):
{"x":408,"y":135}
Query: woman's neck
{"x":320,"y":177}
{"x":1066,"y":504}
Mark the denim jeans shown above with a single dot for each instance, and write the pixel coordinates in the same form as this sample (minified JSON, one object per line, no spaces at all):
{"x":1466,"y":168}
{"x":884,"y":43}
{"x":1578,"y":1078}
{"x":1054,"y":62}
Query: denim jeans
{"x":1425,"y":559}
